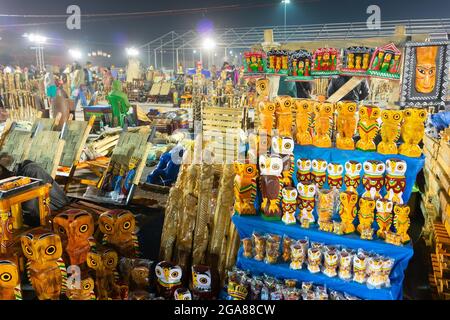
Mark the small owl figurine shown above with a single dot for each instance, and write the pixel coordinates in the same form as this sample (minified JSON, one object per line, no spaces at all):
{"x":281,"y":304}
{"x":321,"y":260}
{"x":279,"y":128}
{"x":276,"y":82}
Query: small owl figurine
{"x":347,"y":210}
{"x":75,"y":227}
{"x":283,"y":112}
{"x":304,"y":121}
{"x":168,"y":278}
{"x":352,"y":177}
{"x":136,"y":274}
{"x":84,"y":292}
{"x":271,"y":168}
{"x":412,"y":131}
{"x":118,"y":227}
{"x":345,"y":265}
{"x":331,"y":259}
{"x":373,"y":179}
{"x":9,"y":280}
{"x":304,"y":170}
{"x":335,"y":171}
{"x":314,"y":260}
{"x":298,"y":256}
{"x":45,"y":267}
{"x":262,"y":89}
{"x":306,"y":201}
{"x":384,"y":217}
{"x":319,"y":169}
{"x":346,"y":125}
{"x":374,"y":270}
{"x":360,"y":268}
{"x":366,"y":214}
{"x":325,"y":208}
{"x":201,"y":286}
{"x":284,"y":146}
{"x":289,"y":205}
{"x":323,"y":124}
{"x":266,"y":118}
{"x":390,"y":131}
{"x":245,"y":188}
{"x":182,"y":294}
{"x":395,"y":180}
{"x":104,"y":262}
{"x":368,"y":127}
{"x":402,"y":222}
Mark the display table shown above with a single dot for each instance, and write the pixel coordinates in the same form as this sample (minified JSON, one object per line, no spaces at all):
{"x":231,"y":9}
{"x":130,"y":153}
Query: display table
{"x":101,"y":113}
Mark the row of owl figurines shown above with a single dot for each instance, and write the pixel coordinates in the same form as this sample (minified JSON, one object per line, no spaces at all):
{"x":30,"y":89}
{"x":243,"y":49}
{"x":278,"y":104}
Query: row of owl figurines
{"x":316,"y":123}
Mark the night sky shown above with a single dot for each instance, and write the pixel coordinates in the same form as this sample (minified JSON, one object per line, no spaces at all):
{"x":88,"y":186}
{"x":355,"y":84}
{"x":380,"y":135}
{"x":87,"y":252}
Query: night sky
{"x":113,"y":34}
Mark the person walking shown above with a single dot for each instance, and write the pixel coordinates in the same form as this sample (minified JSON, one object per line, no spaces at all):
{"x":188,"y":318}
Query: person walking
{"x":78,"y":86}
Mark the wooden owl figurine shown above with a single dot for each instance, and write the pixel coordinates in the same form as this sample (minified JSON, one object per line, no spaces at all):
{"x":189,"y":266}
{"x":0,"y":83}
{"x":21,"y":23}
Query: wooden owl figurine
{"x":402,"y":222}
{"x":168,"y":277}
{"x":270,"y":181}
{"x":335,"y":171}
{"x":45,"y":267}
{"x":325,"y":208}
{"x":390,"y":131}
{"x":323,"y":124}
{"x":366,"y":214}
{"x":346,"y":125}
{"x":266,"y":118}
{"x":384,"y":217}
{"x":201,"y":282}
{"x":395,"y":180}
{"x":84,"y":292}
{"x":304,"y":170}
{"x":412,"y":132}
{"x":262,"y":89}
{"x":306,"y":201}
{"x":75,"y":228}
{"x":373,"y":179}
{"x":104,"y":263}
{"x":347,"y":210}
{"x":245,"y":188}
{"x":182,"y":294}
{"x":319,"y":169}
{"x":118,"y":228}
{"x":284,"y":146}
{"x":283,"y":112}
{"x":9,"y":280}
{"x":6,"y":232}
{"x":289,"y":205}
{"x":304,"y":121}
{"x":352,"y":177}
{"x":368,"y":127}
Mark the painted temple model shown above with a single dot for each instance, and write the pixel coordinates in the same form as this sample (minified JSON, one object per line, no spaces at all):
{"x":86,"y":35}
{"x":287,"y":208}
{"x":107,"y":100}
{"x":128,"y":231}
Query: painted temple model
{"x":325,"y":62}
{"x":385,"y":62}
{"x":356,"y":60}
{"x":254,"y":62}
{"x":278,"y":62}
{"x":300,"y":62}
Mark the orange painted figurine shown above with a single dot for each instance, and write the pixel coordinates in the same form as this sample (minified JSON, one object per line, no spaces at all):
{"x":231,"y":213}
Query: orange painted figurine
{"x":245,"y":188}
{"x":283,"y":107}
{"x":346,"y":125}
{"x":323,"y":124}
{"x":347,"y":210}
{"x":390,"y":131}
{"x":304,"y":120}
{"x":412,"y":132}
{"x":9,"y":280}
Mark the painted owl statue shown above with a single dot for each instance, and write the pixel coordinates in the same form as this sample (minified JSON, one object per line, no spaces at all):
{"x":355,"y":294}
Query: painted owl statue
{"x":325,"y":208}
{"x":201,"y":284}
{"x":266,"y":118}
{"x":307,"y":193}
{"x":347,"y":210}
{"x":75,"y":228}
{"x":373,"y":179}
{"x":289,"y":205}
{"x":85,"y":291}
{"x":390,"y":131}
{"x":368,"y":127}
{"x":384,"y":217}
{"x":284,"y":147}
{"x":119,"y":230}
{"x":366,"y":214}
{"x":323,"y":124}
{"x":304,"y":170}
{"x":271,"y":168}
{"x":168,"y":277}
{"x":335,"y":171}
{"x":402,"y":222}
{"x":412,"y":131}
{"x":304,"y":121}
{"x":319,"y":169}
{"x":45,"y":267}
{"x":283,"y":112}
{"x":6,"y":232}
{"x":395,"y":180}
{"x":262,"y":89}
{"x":135,"y":273}
{"x":182,"y":294}
{"x":245,"y":188}
{"x":352,"y":177}
{"x":104,"y":262}
{"x":9,"y":280}
{"x":346,"y":124}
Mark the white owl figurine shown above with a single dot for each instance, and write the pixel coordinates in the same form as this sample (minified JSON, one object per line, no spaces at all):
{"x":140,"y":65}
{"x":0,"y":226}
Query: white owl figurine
{"x":307,"y":193}
{"x":284,"y":146}
{"x":168,"y":278}
{"x":373,"y":179}
{"x":352,"y":178}
{"x":395,"y":180}
{"x":271,"y":167}
{"x":335,"y":171}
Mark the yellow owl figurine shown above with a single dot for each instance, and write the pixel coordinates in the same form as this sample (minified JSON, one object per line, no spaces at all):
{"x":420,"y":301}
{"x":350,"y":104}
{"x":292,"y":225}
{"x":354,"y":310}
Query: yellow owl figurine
{"x":283,"y":111}
{"x":262,"y":90}
{"x":347,"y":210}
{"x":266,"y":118}
{"x":390,"y":131}
{"x":245,"y":188}
{"x":412,"y":131}
{"x":346,"y":125}
{"x":304,"y":120}
{"x":9,"y":280}
{"x":368,"y":128}
{"x":323,"y":124}
{"x":383,"y":217}
{"x":366,"y":214}
{"x":402,"y":222}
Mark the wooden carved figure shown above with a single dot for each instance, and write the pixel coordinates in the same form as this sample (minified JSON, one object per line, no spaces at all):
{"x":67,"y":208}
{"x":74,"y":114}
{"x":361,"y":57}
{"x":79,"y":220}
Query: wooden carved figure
{"x":182,"y":294}
{"x":306,"y":201}
{"x":75,"y":228}
{"x":384,"y":217}
{"x":45,"y":267}
{"x":330,"y":259}
{"x":168,"y":278}
{"x":9,"y":280}
{"x":346,"y":125}
{"x":335,"y":171}
{"x":135,"y":273}
{"x":314,"y":260}
{"x":6,"y":232}
{"x":373,"y":179}
{"x":118,"y":228}
{"x":325,"y":209}
{"x":347,"y":210}
{"x":360,"y":267}
{"x":201,"y":286}
{"x":284,"y":147}
{"x":318,"y":175}
{"x":283,"y":111}
{"x":304,"y":170}
{"x":85,"y":290}
{"x":104,"y":263}
{"x":304,"y":120}
{"x":402,"y":222}
{"x":368,"y":127}
{"x":374,"y":270}
{"x":323,"y":124}
{"x":366,"y":214}
{"x":266,"y":118}
{"x":289,"y":205}
{"x":245,"y":188}
{"x":271,"y":168}
{"x":390,"y":131}
{"x":395,"y":180}
{"x":345,"y":265}
{"x":412,"y":131}
{"x":352,"y":177}
{"x":298,"y":256}
{"x":262,"y":89}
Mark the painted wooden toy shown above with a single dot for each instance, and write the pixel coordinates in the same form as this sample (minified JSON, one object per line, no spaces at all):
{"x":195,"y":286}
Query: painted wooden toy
{"x":254,"y":62}
{"x":390,"y":131}
{"x":266,"y":118}
{"x":306,"y":201}
{"x":325,"y":209}
{"x":395,"y":180}
{"x":304,"y":170}
{"x":298,"y":256}
{"x":300,"y":64}
{"x":385,"y":62}
{"x":284,"y":147}
{"x":360,"y":267}
{"x":283,"y":113}
{"x":287,"y":243}
{"x":277,"y":62}
{"x":314,"y":260}
{"x":304,"y":121}
{"x":366,"y":214}
{"x":289,"y":205}
{"x":334,"y":172}
{"x":323,"y":124}
{"x":135,"y":273}
{"x":201,"y":284}
{"x":352,"y":178}
{"x":384,"y":217}
{"x":347,"y":210}
{"x":412,"y":132}
{"x":168,"y":278}
{"x":182,"y":294}
{"x":247,"y":247}
{"x":325,"y":62}
{"x":346,"y":125}
{"x":85,"y":291}
{"x":245,"y":188}
{"x":373,"y":179}
{"x":356,"y":60}
{"x":374,"y":270}
{"x":318,"y":175}
{"x":402,"y":222}
{"x":6,"y":232}
{"x":271,"y":168}
{"x":345,"y":265}
{"x":10,"y":288}
{"x":331,"y":260}
{"x":368,"y":127}
{"x":104,"y":262}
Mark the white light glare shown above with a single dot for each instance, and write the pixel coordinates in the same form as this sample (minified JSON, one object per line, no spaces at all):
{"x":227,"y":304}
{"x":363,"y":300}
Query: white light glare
{"x":286,"y":1}
{"x":132,"y":52}
{"x":36,"y":38}
{"x":209,"y":43}
{"x":75,"y":53}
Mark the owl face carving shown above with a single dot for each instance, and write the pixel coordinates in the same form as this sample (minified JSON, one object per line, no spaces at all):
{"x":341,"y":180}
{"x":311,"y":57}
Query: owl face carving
{"x":396,"y":167}
{"x":284,"y":104}
{"x":384,"y":206}
{"x":392,"y":116}
{"x":304,"y":165}
{"x":335,"y":169}
{"x":103,"y":261}
{"x":307,"y":190}
{"x":414,"y":114}
{"x":271,"y":165}
{"x":262,"y":87}
{"x":267,"y":108}
{"x":319,"y":165}
{"x":348,"y":199}
{"x":9,"y":280}
{"x":402,"y":210}
{"x":168,"y":273}
{"x":283,"y":145}
{"x":84,"y":292}
{"x":367,"y":113}
{"x":246,"y":170}
{"x":353,"y":168}
{"x":41,"y":246}
{"x":201,"y":278}
{"x":182,"y":294}
{"x":324,"y":109}
{"x":374,"y":168}
{"x":346,"y":108}
{"x":289,"y":194}
{"x":366,"y":205}
{"x":304,"y":106}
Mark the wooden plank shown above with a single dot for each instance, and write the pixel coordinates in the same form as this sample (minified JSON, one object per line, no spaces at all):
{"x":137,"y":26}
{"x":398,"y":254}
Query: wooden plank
{"x":345,"y":89}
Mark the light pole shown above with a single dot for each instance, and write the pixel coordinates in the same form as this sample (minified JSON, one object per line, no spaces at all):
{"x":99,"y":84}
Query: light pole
{"x":39,"y":41}
{"x":285,"y":2}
